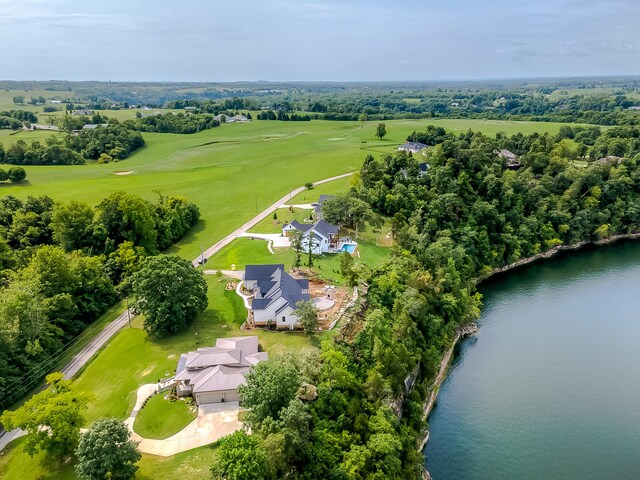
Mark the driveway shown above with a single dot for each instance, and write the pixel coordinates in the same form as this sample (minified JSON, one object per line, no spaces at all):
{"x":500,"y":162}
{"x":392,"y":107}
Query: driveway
{"x":214,"y":421}
{"x":278,"y":241}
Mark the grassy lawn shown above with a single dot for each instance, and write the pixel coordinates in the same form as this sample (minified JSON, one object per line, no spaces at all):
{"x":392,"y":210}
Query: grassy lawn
{"x":137,"y":359}
{"x":161,"y":418}
{"x":229,"y":170}
{"x":193,"y":464}
{"x":285,"y":215}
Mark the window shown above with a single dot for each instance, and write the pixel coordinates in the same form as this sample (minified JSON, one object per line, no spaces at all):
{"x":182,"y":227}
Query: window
{"x":284,"y":319}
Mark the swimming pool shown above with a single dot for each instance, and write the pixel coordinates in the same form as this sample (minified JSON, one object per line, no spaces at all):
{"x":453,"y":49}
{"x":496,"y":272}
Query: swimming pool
{"x":349,"y":247}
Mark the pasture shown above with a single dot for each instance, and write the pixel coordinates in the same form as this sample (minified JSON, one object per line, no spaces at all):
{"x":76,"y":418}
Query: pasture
{"x":234,"y":171}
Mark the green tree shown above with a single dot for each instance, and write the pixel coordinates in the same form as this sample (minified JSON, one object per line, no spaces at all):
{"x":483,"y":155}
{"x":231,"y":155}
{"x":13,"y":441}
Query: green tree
{"x":72,"y":225}
{"x":4,"y":176}
{"x":308,"y":185}
{"x":52,"y":418}
{"x":18,"y":99}
{"x":307,"y":315}
{"x":126,"y":217}
{"x":269,"y":388}
{"x":241,"y":457}
{"x":348,"y":210}
{"x":348,"y":270}
{"x":296,"y":244}
{"x":311,"y":245}
{"x":16,"y":174}
{"x":170,"y":293}
{"x":381,"y":130}
{"x":106,"y":451}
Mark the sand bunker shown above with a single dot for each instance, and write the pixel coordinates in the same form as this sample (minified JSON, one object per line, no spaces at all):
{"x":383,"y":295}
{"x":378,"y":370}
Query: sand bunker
{"x":128,"y":172}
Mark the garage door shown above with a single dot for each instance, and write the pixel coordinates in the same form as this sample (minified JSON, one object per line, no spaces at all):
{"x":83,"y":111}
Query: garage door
{"x":217,"y":397}
{"x":209,"y":397}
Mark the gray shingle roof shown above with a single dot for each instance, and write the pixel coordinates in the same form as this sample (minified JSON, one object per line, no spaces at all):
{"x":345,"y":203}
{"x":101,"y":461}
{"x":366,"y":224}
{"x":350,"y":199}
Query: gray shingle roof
{"x":262,"y":274}
{"x":413,"y":146}
{"x":281,"y":285}
{"x":325,"y":228}
{"x":303,"y":227}
{"x":222,"y":367}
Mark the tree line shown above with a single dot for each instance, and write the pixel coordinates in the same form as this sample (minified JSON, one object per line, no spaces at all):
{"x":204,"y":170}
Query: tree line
{"x":354,"y":410}
{"x":104,"y":143}
{"x":282,"y":116}
{"x":184,"y":123}
{"x":62,"y":265}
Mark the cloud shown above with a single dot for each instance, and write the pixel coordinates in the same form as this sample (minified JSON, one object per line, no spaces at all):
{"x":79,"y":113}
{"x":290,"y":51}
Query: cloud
{"x":318,"y":39}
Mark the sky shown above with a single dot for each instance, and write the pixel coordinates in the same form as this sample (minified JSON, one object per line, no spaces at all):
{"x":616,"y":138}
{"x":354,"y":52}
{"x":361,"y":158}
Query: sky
{"x":316,"y":40}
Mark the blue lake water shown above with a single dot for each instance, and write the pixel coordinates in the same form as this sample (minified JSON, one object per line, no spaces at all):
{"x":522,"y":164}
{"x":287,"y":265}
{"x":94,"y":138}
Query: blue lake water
{"x":549,"y":388}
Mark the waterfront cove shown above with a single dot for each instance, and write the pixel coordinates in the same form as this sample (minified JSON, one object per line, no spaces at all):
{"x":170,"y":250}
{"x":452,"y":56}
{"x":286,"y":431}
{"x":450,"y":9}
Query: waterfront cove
{"x":549,"y":387}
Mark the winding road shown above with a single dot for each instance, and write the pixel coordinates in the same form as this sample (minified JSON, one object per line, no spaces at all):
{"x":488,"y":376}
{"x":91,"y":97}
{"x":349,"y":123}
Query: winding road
{"x":101,"y":339}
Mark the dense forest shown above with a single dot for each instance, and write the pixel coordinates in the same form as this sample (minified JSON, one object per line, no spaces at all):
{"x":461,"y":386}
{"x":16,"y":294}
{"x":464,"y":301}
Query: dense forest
{"x":184,"y":123}
{"x":104,"y":143}
{"x":467,"y":215}
{"x":63,"y":264}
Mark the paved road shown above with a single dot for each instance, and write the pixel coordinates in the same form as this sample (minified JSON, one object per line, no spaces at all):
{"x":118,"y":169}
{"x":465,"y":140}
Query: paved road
{"x":261,"y":216}
{"x":90,"y":349}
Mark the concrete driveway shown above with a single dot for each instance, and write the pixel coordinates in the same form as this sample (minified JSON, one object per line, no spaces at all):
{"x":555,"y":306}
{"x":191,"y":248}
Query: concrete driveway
{"x":214,"y":421}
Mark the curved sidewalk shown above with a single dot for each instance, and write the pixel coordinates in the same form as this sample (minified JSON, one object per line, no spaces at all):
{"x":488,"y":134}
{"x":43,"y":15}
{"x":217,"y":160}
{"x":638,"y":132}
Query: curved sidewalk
{"x":214,"y":421}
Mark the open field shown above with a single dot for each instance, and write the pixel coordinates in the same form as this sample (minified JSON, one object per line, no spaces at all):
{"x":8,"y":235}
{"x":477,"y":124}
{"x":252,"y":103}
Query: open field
{"x":234,"y":171}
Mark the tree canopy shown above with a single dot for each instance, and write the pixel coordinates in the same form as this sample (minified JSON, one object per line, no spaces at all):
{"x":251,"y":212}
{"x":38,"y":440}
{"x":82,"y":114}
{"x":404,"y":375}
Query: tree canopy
{"x":106,"y":451}
{"x":52,"y":418}
{"x":170,"y":294}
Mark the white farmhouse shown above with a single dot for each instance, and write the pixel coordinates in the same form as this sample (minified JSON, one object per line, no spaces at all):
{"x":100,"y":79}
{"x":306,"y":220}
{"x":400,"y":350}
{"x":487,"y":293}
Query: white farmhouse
{"x":275,"y":294}
{"x":321,"y":237}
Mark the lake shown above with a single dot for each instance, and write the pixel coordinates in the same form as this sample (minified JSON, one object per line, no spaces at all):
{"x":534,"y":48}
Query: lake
{"x":549,"y":388}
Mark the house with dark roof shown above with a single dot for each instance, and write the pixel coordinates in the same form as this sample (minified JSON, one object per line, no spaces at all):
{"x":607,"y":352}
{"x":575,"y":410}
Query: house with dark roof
{"x":317,"y":207}
{"x":212,"y":374}
{"x":321,"y":237}
{"x":412,"y":147}
{"x":275,"y":295}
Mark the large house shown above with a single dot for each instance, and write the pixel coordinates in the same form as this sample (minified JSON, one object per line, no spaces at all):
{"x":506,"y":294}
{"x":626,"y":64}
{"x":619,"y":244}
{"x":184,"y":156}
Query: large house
{"x":231,"y":118}
{"x":321,"y":237}
{"x":275,"y":295}
{"x":412,"y":147}
{"x":213,"y":374}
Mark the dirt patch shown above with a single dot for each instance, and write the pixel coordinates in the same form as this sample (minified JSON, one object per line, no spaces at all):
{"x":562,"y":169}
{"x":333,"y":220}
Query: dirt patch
{"x":122,"y":172}
{"x":327,"y":292}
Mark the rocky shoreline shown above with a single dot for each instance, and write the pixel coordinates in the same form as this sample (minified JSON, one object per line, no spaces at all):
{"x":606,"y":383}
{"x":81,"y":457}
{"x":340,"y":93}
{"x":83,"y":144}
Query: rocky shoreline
{"x":472,"y":328}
